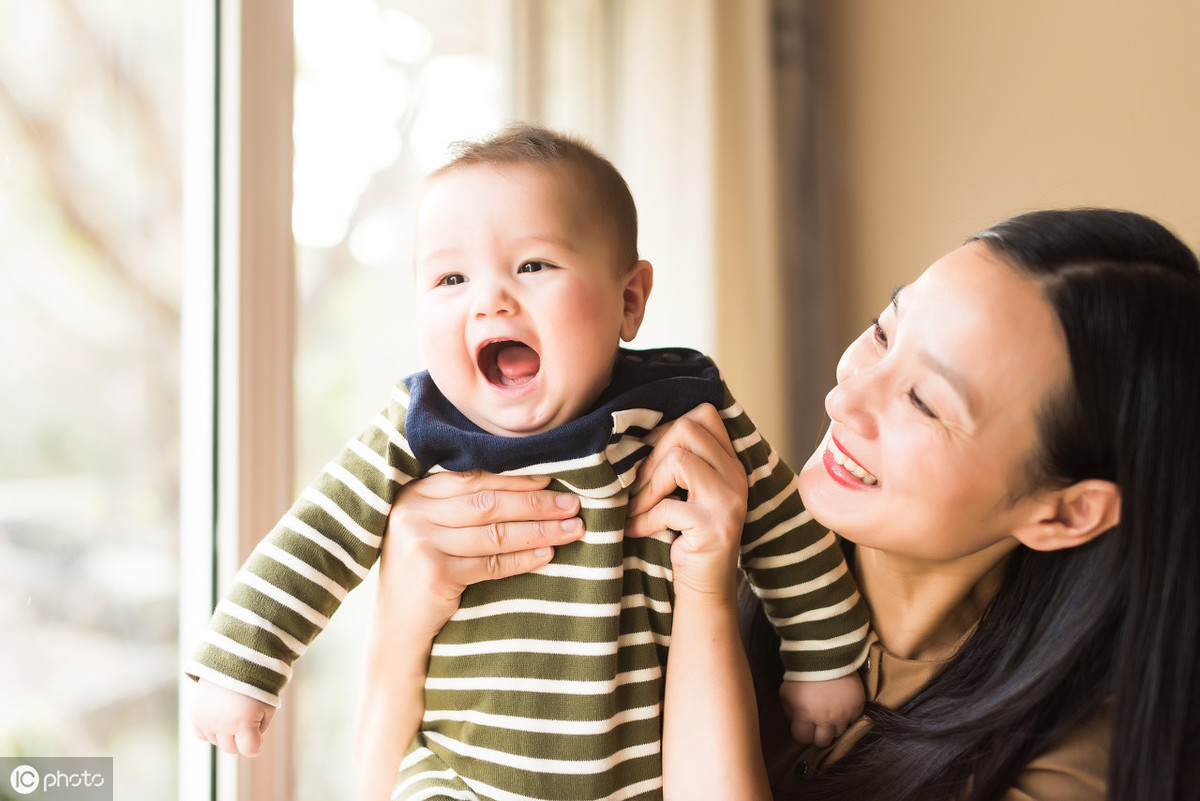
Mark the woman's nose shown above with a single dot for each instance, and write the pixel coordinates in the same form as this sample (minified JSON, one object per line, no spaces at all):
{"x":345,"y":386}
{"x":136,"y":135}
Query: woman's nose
{"x":853,"y":400}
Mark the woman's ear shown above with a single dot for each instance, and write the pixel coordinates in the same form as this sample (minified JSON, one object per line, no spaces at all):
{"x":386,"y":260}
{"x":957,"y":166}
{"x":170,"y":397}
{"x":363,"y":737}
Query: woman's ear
{"x":1073,"y":516}
{"x":637,"y":284}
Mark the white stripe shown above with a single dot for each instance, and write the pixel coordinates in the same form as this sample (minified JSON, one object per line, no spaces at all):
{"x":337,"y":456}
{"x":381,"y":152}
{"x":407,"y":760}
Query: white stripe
{"x":637,"y":417}
{"x":629,"y":791}
{"x":355,"y":484}
{"x":641,"y":600}
{"x":438,"y":792}
{"x":531,"y":646}
{"x":341,"y":515}
{"x":614,"y":502}
{"x":431,"y":791}
{"x":581,"y":572}
{"x":807,"y":587}
{"x":249,"y":654}
{"x":415,"y":756}
{"x":763,"y":471}
{"x":567,"y":767}
{"x":819,"y":613}
{"x":802,"y":555}
{"x":300,"y":567}
{"x":545,"y":468}
{"x":392,"y":433}
{"x":626,"y":479}
{"x":271,"y":591}
{"x":649,"y":568}
{"x":747,"y":442}
{"x":376,"y":460}
{"x":731,"y":411}
{"x":607,"y":491}
{"x":335,"y":550}
{"x":221,"y":680}
{"x":775,"y":533}
{"x":770,"y":505}
{"x":821,"y":645}
{"x":246,"y":616}
{"x":517,"y":606}
{"x":400,"y":396}
{"x":603,"y":537}
{"x":623,"y":447}
{"x":543,"y":725}
{"x":553,"y":686}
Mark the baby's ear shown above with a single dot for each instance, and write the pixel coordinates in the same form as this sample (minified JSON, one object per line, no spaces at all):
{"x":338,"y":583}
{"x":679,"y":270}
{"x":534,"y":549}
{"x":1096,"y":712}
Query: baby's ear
{"x":1073,"y":515}
{"x":635,"y":291}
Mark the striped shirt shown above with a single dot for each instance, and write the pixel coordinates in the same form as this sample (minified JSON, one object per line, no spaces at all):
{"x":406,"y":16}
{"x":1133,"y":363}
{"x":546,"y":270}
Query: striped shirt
{"x":547,"y":685}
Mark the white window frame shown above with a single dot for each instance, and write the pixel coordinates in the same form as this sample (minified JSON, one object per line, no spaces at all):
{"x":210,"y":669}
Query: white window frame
{"x":238,"y":335}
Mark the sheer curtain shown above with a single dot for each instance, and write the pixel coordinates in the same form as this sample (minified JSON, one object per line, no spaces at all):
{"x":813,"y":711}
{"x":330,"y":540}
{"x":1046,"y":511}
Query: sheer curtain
{"x":709,"y":110}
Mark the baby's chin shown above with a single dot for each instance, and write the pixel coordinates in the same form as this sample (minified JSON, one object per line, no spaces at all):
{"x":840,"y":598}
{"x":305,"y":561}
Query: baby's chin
{"x":518,"y":422}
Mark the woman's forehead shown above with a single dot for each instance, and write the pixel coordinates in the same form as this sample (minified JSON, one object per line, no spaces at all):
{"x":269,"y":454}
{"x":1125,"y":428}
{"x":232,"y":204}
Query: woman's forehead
{"x":987,"y":326}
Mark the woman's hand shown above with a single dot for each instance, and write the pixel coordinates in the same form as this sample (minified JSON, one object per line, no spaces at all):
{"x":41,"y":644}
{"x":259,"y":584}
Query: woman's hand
{"x":451,"y":530}
{"x":693,"y":453}
{"x":710,"y":722}
{"x":445,"y":532}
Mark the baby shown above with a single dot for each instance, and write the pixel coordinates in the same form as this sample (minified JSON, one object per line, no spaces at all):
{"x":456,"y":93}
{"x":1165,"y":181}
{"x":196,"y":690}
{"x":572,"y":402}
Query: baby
{"x":546,"y":685}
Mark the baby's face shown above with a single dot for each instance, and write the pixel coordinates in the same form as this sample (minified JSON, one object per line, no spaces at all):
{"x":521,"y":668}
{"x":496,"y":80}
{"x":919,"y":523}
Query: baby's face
{"x":520,"y":303}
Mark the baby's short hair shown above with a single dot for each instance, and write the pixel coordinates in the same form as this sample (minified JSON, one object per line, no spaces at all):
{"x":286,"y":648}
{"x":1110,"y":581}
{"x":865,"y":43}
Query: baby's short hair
{"x":526,"y":143}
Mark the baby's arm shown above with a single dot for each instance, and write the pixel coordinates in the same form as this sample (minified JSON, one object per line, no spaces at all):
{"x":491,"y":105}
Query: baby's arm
{"x":821,"y":710}
{"x":233,"y":722}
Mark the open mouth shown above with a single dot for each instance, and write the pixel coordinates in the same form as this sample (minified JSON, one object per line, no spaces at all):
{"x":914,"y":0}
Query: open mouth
{"x":509,"y":363}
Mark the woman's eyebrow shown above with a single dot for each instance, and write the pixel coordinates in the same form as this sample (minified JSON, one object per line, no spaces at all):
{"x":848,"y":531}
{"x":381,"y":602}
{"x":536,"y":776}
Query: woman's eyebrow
{"x":896,"y":297}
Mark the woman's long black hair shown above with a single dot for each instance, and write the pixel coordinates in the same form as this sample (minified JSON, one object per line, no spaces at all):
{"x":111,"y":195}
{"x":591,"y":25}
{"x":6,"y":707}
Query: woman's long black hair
{"x":1116,"y":621}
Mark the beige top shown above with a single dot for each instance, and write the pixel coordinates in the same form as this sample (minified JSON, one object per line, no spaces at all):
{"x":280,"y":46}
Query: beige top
{"x":1074,"y":769}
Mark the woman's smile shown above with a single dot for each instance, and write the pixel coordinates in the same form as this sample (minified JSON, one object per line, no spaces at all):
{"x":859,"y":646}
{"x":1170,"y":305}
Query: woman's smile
{"x":845,"y":470}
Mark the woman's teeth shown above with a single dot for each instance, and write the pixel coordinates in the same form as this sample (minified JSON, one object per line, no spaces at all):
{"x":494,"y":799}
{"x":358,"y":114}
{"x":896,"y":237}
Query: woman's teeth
{"x":850,"y":465}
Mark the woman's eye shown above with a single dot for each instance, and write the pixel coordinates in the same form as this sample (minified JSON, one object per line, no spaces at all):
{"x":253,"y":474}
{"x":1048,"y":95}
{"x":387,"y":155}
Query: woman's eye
{"x":879,"y":334}
{"x":920,"y":404}
{"x":452,"y":279}
{"x":533,"y":267}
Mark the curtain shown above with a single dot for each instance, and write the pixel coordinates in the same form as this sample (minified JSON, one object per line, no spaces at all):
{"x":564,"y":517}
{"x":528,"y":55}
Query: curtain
{"x":707,"y":108}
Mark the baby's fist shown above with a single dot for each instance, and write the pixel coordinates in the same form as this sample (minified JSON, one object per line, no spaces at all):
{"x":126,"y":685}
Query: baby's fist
{"x":821,"y":710}
{"x":233,"y":722}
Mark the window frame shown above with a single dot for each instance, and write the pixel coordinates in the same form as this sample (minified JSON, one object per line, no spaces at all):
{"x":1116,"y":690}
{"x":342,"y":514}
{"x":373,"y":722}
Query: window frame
{"x":238,"y":340}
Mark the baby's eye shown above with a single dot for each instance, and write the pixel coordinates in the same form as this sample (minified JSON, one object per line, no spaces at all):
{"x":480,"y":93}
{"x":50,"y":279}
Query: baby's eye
{"x":533,"y":267}
{"x":452,"y":279}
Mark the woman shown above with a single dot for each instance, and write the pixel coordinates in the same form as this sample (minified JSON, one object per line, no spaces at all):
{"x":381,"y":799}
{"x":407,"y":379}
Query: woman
{"x":1011,"y":459}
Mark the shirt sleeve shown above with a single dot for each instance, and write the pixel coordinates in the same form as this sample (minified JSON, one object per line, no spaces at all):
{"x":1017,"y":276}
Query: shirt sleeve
{"x":298,"y":575}
{"x":795,"y":566}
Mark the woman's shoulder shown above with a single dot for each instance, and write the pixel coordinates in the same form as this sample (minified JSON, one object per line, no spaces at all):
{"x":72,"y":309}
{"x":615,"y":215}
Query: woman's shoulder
{"x":1075,"y":767}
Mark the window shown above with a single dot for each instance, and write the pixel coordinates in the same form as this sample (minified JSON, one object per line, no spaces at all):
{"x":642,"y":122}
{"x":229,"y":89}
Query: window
{"x":90,"y":321}
{"x":206,"y":213}
{"x":382,"y":88}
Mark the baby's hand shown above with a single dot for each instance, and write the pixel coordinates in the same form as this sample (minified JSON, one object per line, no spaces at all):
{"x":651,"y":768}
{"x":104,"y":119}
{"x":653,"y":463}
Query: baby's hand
{"x":233,"y":722}
{"x":821,"y":710}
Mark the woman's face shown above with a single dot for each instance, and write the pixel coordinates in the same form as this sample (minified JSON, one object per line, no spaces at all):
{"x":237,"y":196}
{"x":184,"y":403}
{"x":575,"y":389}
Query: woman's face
{"x":934,"y":414}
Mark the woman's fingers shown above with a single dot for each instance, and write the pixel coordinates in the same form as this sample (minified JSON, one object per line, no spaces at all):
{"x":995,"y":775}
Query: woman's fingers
{"x":456,"y":500}
{"x":698,"y":432}
{"x":501,"y":539}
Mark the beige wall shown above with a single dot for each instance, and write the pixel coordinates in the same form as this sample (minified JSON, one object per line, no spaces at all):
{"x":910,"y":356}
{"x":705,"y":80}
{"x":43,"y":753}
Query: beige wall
{"x":954,"y":113}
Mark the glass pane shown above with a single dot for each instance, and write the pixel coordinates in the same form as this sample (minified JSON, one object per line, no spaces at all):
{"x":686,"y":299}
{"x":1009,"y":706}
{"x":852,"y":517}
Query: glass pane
{"x":382,"y":87}
{"x":89,"y":318}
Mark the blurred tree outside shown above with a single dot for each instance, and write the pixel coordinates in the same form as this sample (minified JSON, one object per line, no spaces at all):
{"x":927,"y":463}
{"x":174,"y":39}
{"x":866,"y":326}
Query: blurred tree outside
{"x":89,"y":320}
